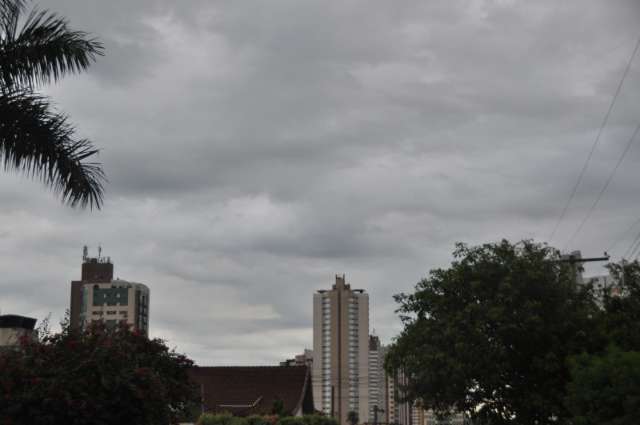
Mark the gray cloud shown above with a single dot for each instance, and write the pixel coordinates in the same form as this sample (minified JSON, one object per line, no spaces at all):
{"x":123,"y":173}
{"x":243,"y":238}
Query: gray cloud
{"x":256,"y":149}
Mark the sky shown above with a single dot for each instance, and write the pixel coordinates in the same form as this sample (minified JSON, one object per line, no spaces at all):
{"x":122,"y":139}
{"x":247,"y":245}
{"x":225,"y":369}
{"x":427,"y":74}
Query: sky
{"x":255,"y":149}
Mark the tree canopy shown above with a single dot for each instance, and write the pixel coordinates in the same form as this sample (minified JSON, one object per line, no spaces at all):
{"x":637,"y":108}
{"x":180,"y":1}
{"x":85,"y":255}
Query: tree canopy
{"x":605,"y":389}
{"x":98,"y":376}
{"x":491,"y":334}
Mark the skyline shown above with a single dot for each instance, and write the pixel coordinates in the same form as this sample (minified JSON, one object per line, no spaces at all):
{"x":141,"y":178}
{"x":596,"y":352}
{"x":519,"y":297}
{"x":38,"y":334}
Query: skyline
{"x":304,"y":141}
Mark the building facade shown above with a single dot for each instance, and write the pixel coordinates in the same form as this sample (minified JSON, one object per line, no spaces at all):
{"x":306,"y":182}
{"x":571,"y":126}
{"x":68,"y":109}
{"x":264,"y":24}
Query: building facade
{"x":403,"y":412}
{"x":391,"y":412}
{"x":377,"y":381}
{"x":399,"y":411}
{"x":115,"y":302}
{"x":303,"y":359}
{"x":605,"y":284}
{"x":13,"y":328}
{"x":98,"y":297}
{"x":341,"y":351}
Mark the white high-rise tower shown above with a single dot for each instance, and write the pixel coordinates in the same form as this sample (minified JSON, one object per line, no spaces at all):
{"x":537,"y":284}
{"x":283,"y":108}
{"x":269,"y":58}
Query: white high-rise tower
{"x":341,"y":351}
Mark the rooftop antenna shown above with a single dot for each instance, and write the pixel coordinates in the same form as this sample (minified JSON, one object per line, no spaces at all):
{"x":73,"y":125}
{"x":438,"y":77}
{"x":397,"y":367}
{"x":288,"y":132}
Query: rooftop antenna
{"x":85,"y":253}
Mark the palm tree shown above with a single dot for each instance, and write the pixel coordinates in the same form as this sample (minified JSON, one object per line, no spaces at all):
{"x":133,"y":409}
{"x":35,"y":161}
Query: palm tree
{"x":34,"y":138}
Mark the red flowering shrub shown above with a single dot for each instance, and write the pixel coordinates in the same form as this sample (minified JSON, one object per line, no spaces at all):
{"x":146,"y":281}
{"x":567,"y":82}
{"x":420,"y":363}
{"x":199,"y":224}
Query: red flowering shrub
{"x":98,"y":376}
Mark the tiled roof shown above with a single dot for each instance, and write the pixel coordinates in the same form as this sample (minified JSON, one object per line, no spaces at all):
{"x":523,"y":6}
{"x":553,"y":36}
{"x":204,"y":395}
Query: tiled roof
{"x":254,"y":390}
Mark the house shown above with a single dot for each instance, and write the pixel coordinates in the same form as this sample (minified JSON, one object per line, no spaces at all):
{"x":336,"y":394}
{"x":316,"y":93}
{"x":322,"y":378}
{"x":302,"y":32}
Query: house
{"x":14,"y":327}
{"x":256,"y":390}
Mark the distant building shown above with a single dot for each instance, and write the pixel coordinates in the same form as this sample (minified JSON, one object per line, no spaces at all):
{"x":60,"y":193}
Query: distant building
{"x":304,"y":359}
{"x":377,"y":381}
{"x":574,"y":260}
{"x":402,"y":412}
{"x":98,"y":297}
{"x":399,"y":410}
{"x":340,"y":347}
{"x":391,"y":411}
{"x":14,"y":327}
{"x":604,"y":284}
{"x":245,"y":391}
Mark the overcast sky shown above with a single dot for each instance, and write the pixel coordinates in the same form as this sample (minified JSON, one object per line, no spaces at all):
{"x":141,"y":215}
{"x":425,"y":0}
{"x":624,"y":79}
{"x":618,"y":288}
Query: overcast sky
{"x":254,"y":149}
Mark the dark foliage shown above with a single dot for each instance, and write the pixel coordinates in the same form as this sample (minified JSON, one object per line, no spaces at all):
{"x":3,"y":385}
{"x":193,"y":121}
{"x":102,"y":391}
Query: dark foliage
{"x":621,"y":307}
{"x":605,"y":385}
{"x":100,"y":376}
{"x":491,"y":334}
{"x":605,"y":389}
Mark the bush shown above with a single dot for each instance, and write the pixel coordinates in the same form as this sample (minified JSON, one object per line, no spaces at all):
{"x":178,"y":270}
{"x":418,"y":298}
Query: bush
{"x":319,"y":420}
{"x":221,"y":419}
{"x":256,"y":420}
{"x":291,"y":420}
{"x":229,"y":419}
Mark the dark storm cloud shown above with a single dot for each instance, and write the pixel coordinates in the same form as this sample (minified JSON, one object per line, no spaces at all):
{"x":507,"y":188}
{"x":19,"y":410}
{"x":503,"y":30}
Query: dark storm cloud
{"x":255,"y":149}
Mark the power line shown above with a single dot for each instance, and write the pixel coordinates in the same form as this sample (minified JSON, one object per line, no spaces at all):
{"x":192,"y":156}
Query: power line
{"x":622,"y":236}
{"x":633,"y":253}
{"x":632,"y":246}
{"x":596,"y":141}
{"x":606,"y":185}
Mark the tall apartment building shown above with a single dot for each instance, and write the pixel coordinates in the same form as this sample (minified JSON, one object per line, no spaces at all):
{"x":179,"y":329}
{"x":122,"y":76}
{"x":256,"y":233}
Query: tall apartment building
{"x":97,"y":296}
{"x":399,"y":411}
{"x":341,"y":351}
{"x":402,"y":412}
{"x":391,"y":411}
{"x":377,"y":381}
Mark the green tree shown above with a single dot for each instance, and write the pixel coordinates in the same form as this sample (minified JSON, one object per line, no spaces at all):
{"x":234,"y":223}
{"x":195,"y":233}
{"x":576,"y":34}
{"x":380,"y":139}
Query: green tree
{"x":98,"y":376}
{"x":34,"y":138}
{"x":605,"y":385}
{"x":352,"y":417}
{"x":621,"y":306}
{"x":490,"y":335}
{"x":605,"y":389}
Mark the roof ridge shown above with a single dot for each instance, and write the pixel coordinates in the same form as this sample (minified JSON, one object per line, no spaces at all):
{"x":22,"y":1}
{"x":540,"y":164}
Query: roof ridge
{"x":251,"y":367}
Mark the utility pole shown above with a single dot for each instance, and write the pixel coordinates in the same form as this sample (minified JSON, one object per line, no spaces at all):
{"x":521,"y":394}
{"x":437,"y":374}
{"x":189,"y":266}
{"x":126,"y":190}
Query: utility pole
{"x":333,"y":413}
{"x":376,"y":409}
{"x":574,"y":260}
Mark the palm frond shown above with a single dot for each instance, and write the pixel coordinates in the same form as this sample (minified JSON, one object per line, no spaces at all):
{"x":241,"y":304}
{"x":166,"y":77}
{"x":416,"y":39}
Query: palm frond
{"x":40,"y":143}
{"x":9,"y":13}
{"x":44,"y":49}
{"x":11,"y":3}
{"x":6,"y":6}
